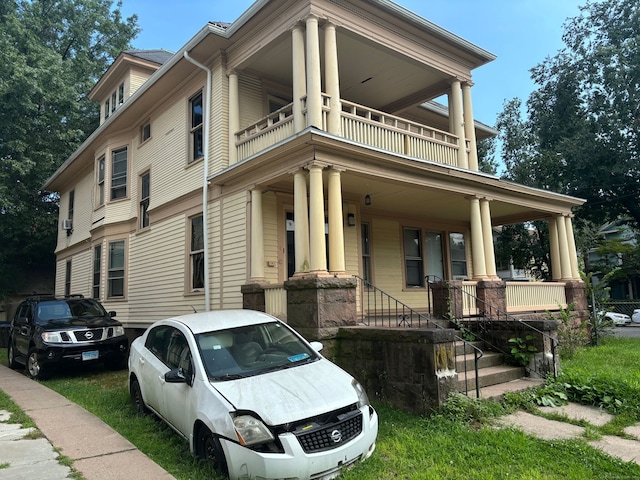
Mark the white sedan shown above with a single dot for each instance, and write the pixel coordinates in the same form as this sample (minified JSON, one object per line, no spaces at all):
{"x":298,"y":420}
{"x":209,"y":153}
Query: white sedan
{"x":252,"y":396}
{"x":618,"y":319}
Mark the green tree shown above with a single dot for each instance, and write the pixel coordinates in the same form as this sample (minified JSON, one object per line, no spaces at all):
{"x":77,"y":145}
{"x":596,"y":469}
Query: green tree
{"x":51,"y":55}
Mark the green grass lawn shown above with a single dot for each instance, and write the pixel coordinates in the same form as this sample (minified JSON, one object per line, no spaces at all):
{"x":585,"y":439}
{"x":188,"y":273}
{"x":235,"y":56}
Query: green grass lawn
{"x":448,"y":446}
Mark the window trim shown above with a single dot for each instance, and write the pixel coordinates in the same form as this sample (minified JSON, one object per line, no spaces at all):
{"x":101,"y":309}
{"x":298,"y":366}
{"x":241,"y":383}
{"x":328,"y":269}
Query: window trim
{"x":143,"y":201}
{"x":125,"y":175}
{"x":194,"y":129}
{"x":192,"y":254}
{"x":110,"y":269}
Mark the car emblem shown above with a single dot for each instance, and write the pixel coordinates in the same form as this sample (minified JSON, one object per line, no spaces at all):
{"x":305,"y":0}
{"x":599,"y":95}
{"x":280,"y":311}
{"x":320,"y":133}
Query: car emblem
{"x":336,"y":436}
{"x":88,"y":335}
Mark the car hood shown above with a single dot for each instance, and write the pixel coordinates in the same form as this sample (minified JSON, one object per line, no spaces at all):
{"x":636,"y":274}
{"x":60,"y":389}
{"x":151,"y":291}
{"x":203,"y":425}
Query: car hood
{"x":78,"y":322}
{"x":292,"y":394}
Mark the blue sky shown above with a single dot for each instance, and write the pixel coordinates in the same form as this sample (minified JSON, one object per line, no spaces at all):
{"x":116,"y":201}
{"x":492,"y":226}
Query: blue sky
{"x":521,"y":33}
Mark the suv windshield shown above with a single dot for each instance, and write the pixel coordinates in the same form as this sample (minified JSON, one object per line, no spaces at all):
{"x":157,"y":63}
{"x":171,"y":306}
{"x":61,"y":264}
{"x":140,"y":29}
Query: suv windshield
{"x":252,"y":350}
{"x":68,"y":310}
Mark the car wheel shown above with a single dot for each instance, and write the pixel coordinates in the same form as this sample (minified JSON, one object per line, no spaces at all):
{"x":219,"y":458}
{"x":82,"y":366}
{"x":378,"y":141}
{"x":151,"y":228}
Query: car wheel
{"x":136,"y":398}
{"x":208,"y":449}
{"x":11,"y":356}
{"x":35,"y":369}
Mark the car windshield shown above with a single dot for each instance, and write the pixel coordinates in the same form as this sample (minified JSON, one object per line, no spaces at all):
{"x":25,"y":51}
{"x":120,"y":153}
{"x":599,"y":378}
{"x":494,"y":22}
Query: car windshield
{"x":252,"y":350}
{"x":64,"y":310}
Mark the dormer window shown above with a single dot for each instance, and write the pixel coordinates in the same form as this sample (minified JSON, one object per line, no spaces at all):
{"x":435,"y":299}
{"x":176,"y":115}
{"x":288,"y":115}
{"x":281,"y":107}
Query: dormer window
{"x":121,"y":94}
{"x":107,"y":109}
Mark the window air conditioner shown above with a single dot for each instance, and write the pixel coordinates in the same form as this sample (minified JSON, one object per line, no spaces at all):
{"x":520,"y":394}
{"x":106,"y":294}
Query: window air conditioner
{"x":67,"y":224}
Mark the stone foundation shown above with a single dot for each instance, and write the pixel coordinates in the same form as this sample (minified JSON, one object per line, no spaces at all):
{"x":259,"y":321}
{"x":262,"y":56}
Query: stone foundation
{"x":253,"y":297}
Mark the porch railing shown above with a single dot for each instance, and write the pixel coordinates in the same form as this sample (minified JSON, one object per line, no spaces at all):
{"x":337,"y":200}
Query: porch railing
{"x":359,"y":124}
{"x":380,"y":309}
{"x":523,"y":296}
{"x":275,"y":301}
{"x":484,"y":319}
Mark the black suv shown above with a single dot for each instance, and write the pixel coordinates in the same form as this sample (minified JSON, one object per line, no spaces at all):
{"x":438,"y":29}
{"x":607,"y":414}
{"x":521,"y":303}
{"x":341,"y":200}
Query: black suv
{"x":49,"y":331}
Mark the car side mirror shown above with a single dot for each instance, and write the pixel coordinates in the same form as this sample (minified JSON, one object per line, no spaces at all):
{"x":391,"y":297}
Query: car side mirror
{"x":112,"y":313}
{"x":317,"y":346}
{"x":177,"y":375}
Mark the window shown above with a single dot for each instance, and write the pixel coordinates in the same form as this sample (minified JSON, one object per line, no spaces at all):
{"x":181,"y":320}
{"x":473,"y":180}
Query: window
{"x":366,"y":253}
{"x":144,"y":199}
{"x":145,"y":132}
{"x":115,"y":282}
{"x":114,"y":103}
{"x":119,"y":171}
{"x":72,"y":197}
{"x":121,"y":94}
{"x":196,"y":116}
{"x":196,"y":253}
{"x":107,"y":109}
{"x":458,"y":255}
{"x":100,"y":181}
{"x":67,"y":279}
{"x":97,"y":271}
{"x":414,"y":271}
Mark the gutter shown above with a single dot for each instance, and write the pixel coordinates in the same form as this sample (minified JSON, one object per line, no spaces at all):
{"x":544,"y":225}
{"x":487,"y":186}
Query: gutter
{"x":205,"y":182}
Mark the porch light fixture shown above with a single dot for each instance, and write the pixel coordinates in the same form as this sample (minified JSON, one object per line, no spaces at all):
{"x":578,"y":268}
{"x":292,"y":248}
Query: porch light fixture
{"x":351,"y":219}
{"x":367,"y":199}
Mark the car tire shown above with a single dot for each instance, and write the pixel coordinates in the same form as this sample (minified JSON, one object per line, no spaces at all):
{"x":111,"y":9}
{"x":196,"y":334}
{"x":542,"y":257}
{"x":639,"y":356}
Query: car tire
{"x":209,"y":450}
{"x":11,"y":356}
{"x":137,"y":402}
{"x":35,"y":369}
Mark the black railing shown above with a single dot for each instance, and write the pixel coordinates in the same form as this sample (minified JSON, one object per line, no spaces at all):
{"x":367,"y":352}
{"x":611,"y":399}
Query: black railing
{"x":483,"y":321}
{"x":379,"y":309}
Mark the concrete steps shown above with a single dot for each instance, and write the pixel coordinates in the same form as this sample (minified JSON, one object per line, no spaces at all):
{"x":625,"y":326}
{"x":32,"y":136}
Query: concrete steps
{"x":495,"y":377}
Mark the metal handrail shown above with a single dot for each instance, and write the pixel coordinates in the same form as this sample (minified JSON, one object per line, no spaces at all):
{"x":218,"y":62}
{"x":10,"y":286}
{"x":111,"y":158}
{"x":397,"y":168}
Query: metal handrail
{"x":404,"y":317}
{"x":484,"y":317}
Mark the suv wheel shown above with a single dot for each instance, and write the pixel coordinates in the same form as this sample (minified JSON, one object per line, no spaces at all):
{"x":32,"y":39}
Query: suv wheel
{"x":11,"y":355}
{"x":35,"y":369}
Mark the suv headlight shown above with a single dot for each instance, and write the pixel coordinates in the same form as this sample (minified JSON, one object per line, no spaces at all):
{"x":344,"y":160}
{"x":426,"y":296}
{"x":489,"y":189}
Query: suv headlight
{"x":52,"y":337}
{"x":251,"y":431}
{"x":363,"y":399}
{"x":118,"y":331}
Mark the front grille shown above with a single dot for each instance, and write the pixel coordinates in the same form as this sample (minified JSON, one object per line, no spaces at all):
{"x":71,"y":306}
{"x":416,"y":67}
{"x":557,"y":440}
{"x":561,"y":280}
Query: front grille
{"x":88,"y":335}
{"x":326,"y":437}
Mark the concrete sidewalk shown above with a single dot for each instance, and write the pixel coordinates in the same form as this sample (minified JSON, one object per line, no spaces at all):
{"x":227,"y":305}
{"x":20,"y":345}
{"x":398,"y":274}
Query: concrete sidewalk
{"x":627,"y":450}
{"x":98,"y":452}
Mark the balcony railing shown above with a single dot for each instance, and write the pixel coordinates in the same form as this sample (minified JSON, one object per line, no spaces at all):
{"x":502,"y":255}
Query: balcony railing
{"x":359,"y":124}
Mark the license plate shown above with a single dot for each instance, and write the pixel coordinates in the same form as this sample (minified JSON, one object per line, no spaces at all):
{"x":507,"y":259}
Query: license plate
{"x":93,"y":355}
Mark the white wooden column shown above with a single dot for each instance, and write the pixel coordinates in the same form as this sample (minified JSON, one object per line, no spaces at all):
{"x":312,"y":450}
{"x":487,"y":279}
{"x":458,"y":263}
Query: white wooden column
{"x":563,"y":243}
{"x":299,"y":77}
{"x":458,"y":123}
{"x":301,"y":222}
{"x":257,"y":236}
{"x":317,"y":244}
{"x":554,"y":250}
{"x":469,"y":127}
{"x":573,"y":254}
{"x":336,"y":223}
{"x":332,"y":78}
{"x":314,"y":80}
{"x":487,"y":238}
{"x":477,"y":244}
{"x":234,"y":116}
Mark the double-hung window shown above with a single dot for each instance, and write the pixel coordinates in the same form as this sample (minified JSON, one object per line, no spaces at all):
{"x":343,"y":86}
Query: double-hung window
{"x":195,"y":127}
{"x":115,"y":273}
{"x":145,"y":192}
{"x":196,"y":253}
{"x":119,"y":172}
{"x":414,"y":269}
{"x":97,"y":271}
{"x":100,"y":181}
{"x":458,"y":255}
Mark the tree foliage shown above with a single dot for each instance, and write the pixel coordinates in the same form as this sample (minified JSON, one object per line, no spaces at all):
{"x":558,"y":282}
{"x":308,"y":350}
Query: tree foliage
{"x":51,"y":54}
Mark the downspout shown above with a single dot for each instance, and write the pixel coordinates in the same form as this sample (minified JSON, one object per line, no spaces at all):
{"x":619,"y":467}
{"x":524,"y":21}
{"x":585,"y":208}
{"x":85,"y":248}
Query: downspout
{"x":205,"y":183}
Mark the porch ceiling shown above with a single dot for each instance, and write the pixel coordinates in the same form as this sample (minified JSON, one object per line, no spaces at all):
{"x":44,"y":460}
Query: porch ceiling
{"x":366,"y":70}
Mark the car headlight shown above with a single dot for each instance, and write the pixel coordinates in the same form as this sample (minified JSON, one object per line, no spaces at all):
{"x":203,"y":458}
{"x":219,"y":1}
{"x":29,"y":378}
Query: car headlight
{"x":363,"y":399}
{"x":51,"y":337}
{"x":118,"y":331}
{"x":251,"y":431}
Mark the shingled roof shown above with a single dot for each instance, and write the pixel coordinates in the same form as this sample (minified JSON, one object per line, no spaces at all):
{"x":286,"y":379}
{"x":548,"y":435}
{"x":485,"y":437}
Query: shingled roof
{"x":156,"y":56}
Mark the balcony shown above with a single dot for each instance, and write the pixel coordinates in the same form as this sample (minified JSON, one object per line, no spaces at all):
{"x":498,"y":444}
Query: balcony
{"x":359,"y":124}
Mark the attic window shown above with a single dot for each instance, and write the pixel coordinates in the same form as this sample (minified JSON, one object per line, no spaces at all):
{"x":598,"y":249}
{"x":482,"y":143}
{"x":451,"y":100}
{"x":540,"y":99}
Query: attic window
{"x":121,"y":94}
